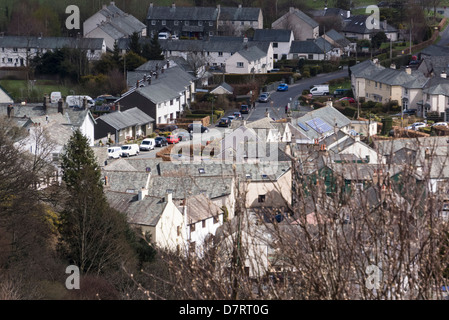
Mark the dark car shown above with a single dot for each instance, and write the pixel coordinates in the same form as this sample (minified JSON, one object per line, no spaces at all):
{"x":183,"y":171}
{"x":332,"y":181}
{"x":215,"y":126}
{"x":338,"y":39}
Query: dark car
{"x":169,"y":128}
{"x":244,"y":108}
{"x":224,"y":122}
{"x":197,"y":127}
{"x":161,"y":141}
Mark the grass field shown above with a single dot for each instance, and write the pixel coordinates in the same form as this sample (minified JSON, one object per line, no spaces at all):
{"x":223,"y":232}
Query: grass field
{"x":34,"y":91}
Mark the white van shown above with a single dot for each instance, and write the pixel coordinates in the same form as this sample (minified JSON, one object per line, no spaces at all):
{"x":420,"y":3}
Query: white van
{"x":55,"y":96}
{"x":163,"y":35}
{"x":130,"y":150}
{"x":320,"y":90}
{"x":147,"y":144}
{"x":77,"y":101}
{"x":114,"y":152}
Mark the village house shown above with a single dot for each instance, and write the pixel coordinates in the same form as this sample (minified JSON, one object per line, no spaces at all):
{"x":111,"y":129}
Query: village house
{"x":281,"y":41}
{"x":202,"y":22}
{"x":303,"y":26}
{"x":317,"y":49}
{"x":17,"y":51}
{"x":162,"y":95}
{"x":356,"y":27}
{"x":120,"y":126}
{"x":111,"y":24}
{"x":249,"y":60}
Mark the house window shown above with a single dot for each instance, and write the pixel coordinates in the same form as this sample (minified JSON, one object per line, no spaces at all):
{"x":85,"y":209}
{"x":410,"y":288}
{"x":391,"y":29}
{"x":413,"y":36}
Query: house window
{"x":380,"y":85}
{"x":178,"y":231}
{"x":14,"y":49}
{"x":275,"y":44}
{"x":240,"y":64}
{"x":211,"y":33}
{"x":171,"y":102}
{"x":153,"y":22}
{"x":186,"y":23}
{"x":176,"y":23}
{"x":216,"y":220}
{"x":275,"y":56}
{"x":375,"y":84}
{"x":261,"y":198}
{"x":310,"y":57}
{"x":192,"y":227}
{"x":164,"y":22}
{"x":220,"y":54}
{"x":203,"y":224}
{"x":211,"y":23}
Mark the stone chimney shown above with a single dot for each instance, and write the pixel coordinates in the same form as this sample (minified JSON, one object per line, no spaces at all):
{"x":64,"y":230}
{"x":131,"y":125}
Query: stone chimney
{"x":117,"y":106}
{"x":173,"y":5}
{"x":168,"y":197}
{"x":443,"y":74}
{"x":46,"y":102}
{"x":408,"y":70}
{"x":61,"y":106}
{"x":291,"y":9}
{"x":151,"y":5}
{"x":10,"y":111}
{"x":142,"y":194}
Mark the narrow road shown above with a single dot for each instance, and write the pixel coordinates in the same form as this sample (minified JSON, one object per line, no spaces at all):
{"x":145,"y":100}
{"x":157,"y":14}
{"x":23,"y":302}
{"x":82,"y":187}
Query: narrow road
{"x":279,"y":100}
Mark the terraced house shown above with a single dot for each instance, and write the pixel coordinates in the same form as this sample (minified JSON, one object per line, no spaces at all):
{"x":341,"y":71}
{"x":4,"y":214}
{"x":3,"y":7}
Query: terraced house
{"x":202,"y":22}
{"x":17,"y":51}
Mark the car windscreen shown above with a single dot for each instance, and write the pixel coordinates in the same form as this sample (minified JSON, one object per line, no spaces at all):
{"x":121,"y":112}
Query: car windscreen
{"x":126,"y":148}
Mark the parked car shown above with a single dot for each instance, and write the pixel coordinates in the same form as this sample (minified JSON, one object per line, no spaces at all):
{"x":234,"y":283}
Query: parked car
{"x":282,"y":87}
{"x":436,"y":124}
{"x":416,"y":126}
{"x":349,"y":99}
{"x":172,"y":139}
{"x":183,"y":136}
{"x":129,"y":150}
{"x":340,"y":92}
{"x":231,"y":118}
{"x":160,"y":142}
{"x":147,"y":144}
{"x":114,"y":152}
{"x":237,"y":115}
{"x":224,"y":122}
{"x":197,"y":127}
{"x":244,"y":109}
{"x":263,"y":98}
{"x":169,"y":128}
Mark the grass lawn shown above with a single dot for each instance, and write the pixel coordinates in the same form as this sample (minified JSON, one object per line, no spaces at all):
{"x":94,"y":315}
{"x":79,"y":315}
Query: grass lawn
{"x":34,"y":91}
{"x":343,"y":83}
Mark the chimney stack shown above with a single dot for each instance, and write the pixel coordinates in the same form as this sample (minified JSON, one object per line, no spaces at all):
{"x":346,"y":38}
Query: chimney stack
{"x":443,"y":74}
{"x":408,"y":70}
{"x":84,"y":103}
{"x":10,"y":111}
{"x":143,"y":193}
{"x":168,"y":197}
{"x":173,"y":5}
{"x":61,"y":106}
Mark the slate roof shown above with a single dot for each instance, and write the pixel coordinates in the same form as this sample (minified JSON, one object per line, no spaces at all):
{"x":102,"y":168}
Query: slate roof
{"x":145,"y":212}
{"x":128,"y":118}
{"x":167,"y":86}
{"x":272,"y":35}
{"x":201,"y":208}
{"x":338,"y":38}
{"x":357,"y":24}
{"x":126,"y":181}
{"x":182,"y":13}
{"x":437,"y":86}
{"x":225,"y":86}
{"x":312,"y":23}
{"x":435,"y":50}
{"x":73,"y":117}
{"x":52,"y":43}
{"x":239,"y":14}
{"x":329,"y":115}
{"x":365,"y":68}
{"x":311,"y":46}
{"x":185,"y":186}
{"x":252,"y":53}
